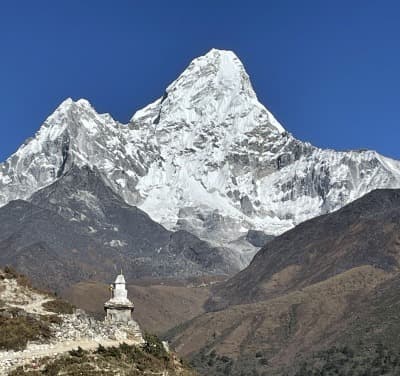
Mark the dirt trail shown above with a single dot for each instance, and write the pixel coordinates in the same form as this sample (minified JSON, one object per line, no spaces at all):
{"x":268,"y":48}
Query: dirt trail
{"x":82,"y":331}
{"x":13,"y":295}
{"x":11,"y":360}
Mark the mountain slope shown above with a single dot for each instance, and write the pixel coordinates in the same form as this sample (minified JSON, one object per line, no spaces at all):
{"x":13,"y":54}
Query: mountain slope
{"x":274,"y":334}
{"x":365,"y":232}
{"x":330,"y":281}
{"x":78,"y":228}
{"x":206,"y":157}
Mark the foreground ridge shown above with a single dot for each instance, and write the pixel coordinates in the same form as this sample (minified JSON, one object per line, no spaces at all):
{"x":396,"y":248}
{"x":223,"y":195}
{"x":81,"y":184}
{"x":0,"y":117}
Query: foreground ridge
{"x":36,"y":325}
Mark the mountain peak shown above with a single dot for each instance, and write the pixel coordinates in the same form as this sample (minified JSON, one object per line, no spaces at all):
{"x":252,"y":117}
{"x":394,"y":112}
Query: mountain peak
{"x":225,"y":60}
{"x":220,"y":51}
{"x":69,"y":103}
{"x":214,"y":89}
{"x":66,"y":103}
{"x":220,"y":69}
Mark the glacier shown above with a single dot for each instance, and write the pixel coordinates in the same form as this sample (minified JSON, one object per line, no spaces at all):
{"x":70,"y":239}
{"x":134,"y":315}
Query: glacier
{"x":206,"y":157}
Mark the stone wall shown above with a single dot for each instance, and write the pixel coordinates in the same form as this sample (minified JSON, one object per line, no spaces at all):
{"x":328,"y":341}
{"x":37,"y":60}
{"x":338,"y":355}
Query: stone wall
{"x":118,"y":315}
{"x":75,"y":330}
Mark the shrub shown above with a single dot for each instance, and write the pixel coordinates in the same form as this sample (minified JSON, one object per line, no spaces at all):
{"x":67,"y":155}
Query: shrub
{"x":51,"y":319}
{"x":155,"y":347}
{"x":110,"y":352}
{"x":79,"y":352}
{"x":10,"y":272}
{"x":17,"y":331}
{"x":58,"y":306}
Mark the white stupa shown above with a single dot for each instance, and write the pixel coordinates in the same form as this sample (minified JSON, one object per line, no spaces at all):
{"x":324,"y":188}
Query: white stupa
{"x":119,"y":308}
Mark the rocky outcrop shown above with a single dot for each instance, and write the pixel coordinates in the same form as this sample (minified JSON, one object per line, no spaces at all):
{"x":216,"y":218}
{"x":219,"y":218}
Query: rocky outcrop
{"x":80,"y":326}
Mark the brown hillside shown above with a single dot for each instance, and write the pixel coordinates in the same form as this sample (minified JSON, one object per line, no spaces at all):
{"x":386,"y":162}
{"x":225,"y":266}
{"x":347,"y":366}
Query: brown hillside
{"x":159,"y":306}
{"x":366,"y":232}
{"x":332,"y":281}
{"x":282,"y":326}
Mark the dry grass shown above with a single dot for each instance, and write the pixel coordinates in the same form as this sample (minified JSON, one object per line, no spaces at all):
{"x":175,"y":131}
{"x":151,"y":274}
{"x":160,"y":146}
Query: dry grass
{"x":282,"y":327}
{"x":58,"y":306}
{"x":157,"y":307}
{"x":280,"y":280}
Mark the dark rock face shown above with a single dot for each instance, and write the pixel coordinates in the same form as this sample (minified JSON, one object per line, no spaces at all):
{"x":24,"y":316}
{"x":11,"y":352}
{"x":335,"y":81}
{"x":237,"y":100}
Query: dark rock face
{"x":78,"y":228}
{"x":258,"y":238}
{"x":364,"y":232}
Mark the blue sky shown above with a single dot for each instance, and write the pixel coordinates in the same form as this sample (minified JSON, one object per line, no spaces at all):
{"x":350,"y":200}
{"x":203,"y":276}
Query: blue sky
{"x":328,"y":70}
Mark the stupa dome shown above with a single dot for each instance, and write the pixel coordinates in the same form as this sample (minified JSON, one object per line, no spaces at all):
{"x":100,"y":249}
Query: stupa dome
{"x":120,"y":279}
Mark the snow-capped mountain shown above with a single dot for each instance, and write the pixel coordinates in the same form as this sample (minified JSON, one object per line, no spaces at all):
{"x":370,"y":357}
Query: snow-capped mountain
{"x":206,"y":157}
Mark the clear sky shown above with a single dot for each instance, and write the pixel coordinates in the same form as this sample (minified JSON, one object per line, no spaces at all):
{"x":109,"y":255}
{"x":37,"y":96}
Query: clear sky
{"x":328,"y":70}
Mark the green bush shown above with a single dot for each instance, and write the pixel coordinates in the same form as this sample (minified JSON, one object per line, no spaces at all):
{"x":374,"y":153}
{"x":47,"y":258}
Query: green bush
{"x":11,"y":273}
{"x":110,"y":352}
{"x":155,"y":347}
{"x":79,"y":352}
{"x":17,"y":331}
